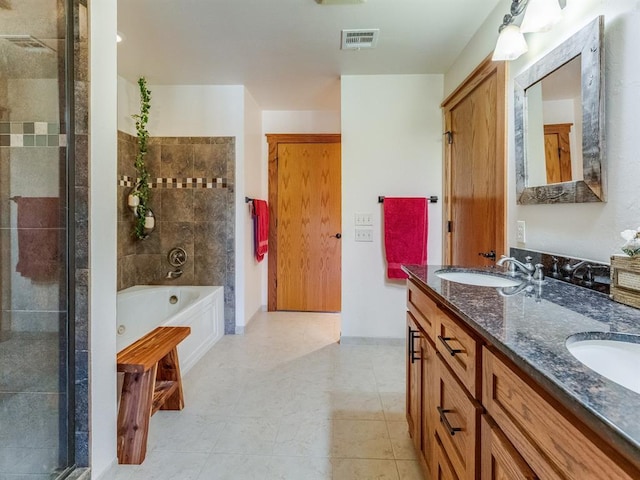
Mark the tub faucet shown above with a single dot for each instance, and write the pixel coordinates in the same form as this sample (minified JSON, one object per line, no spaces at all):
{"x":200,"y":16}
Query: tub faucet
{"x":173,"y":274}
{"x":526,"y":268}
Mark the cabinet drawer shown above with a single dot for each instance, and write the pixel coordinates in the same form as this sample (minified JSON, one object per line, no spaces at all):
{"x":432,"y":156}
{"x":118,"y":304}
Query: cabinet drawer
{"x":552,"y":442}
{"x":458,"y":423}
{"x":422,"y":308}
{"x":499,"y":459}
{"x":461,"y":351}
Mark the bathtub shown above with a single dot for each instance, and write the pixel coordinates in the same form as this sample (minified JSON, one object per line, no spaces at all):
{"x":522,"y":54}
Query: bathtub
{"x":142,"y":308}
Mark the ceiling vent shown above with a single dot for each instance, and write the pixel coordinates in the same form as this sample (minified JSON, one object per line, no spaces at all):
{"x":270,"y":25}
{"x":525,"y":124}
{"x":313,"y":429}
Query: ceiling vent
{"x":357,"y":39}
{"x":339,"y":2}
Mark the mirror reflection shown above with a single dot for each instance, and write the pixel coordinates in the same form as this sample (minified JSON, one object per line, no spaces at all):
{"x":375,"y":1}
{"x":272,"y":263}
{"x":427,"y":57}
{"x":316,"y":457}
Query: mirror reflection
{"x":554,"y":126}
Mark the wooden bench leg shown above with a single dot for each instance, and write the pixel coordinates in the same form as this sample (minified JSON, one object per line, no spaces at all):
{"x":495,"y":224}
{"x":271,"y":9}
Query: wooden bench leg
{"x":134,"y":415}
{"x":169,"y":370}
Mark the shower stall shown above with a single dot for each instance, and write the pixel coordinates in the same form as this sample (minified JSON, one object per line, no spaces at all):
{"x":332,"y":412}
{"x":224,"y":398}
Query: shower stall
{"x":39,"y":435}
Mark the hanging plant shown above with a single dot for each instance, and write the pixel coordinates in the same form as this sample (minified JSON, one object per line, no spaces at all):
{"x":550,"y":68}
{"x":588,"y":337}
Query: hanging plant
{"x":144,"y":217}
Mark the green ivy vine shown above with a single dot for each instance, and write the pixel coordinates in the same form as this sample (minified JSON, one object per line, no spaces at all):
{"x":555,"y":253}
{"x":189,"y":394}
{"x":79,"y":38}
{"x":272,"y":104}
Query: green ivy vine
{"x":142,"y":186}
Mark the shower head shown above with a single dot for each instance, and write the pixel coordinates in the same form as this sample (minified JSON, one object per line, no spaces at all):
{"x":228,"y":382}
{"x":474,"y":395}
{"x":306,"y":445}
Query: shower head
{"x":27,"y":42}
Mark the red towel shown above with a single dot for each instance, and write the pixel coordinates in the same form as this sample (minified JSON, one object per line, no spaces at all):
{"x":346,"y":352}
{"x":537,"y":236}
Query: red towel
{"x":39,"y":238}
{"x":405,"y":233}
{"x":260,"y":214}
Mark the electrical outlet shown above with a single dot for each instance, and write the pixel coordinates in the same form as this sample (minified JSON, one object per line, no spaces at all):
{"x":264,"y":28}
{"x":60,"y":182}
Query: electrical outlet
{"x":364,"y":235}
{"x":520,"y":232}
{"x":363,"y":219}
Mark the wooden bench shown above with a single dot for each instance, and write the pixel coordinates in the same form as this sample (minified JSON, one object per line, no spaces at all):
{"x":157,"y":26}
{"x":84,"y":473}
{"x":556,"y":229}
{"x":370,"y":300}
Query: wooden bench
{"x":151,"y":382}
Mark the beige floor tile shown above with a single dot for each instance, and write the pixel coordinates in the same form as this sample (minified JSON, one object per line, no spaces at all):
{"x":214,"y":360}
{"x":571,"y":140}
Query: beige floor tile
{"x":364,"y":469}
{"x":285,"y":401}
{"x":409,"y":470}
{"x":401,"y":442}
{"x":361,"y":439}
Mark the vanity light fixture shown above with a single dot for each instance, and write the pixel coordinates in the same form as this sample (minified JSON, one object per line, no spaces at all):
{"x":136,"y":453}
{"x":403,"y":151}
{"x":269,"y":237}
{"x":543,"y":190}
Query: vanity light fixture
{"x":539,"y":16}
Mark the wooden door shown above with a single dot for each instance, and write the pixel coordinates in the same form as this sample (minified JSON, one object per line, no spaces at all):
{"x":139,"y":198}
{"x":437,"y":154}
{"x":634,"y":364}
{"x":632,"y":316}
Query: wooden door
{"x":500,"y":459}
{"x":475,"y":153}
{"x":557,"y":152}
{"x":308,"y":227}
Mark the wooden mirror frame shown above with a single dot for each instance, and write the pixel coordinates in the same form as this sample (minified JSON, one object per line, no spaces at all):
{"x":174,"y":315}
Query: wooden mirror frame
{"x":588,"y":43}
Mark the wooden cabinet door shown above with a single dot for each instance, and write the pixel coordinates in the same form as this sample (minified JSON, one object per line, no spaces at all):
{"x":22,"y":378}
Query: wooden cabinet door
{"x":458,"y":425}
{"x":499,"y":459}
{"x":414,"y":381}
{"x":429,"y":413}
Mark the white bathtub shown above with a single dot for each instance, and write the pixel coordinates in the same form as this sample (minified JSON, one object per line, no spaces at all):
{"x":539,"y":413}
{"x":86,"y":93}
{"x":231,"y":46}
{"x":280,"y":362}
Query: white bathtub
{"x":142,"y":308}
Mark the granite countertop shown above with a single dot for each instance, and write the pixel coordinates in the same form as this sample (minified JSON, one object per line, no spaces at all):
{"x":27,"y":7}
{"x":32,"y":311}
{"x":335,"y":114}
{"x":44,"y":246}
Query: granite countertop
{"x":531,"y":326}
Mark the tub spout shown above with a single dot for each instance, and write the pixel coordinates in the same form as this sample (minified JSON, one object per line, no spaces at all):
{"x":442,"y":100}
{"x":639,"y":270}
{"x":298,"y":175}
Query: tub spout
{"x":173,"y":274}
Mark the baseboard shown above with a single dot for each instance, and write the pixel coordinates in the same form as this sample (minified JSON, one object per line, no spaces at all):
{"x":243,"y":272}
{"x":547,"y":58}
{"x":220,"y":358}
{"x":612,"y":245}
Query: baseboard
{"x":384,"y":341}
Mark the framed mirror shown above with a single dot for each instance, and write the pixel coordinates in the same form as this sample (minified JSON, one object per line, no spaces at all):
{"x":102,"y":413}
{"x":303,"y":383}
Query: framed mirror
{"x":559,"y":123}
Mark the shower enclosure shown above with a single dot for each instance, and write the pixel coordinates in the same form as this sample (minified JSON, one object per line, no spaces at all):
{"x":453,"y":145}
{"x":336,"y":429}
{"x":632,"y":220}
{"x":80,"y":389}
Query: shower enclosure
{"x":37,"y":258}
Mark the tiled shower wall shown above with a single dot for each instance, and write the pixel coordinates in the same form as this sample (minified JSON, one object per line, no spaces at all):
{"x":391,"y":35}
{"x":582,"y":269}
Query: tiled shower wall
{"x":192,"y":199}
{"x":34,"y":140}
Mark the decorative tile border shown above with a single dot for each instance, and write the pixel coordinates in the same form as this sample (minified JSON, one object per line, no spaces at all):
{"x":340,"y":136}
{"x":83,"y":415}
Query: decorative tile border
{"x":127,"y":181}
{"x":31,"y":134}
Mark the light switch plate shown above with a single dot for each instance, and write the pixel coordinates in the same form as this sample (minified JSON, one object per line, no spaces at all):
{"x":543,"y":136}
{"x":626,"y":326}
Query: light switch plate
{"x":363,"y":219}
{"x":364,"y":235}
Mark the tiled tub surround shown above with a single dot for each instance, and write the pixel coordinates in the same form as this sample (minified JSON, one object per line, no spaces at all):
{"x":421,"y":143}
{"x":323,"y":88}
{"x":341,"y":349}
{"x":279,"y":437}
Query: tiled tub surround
{"x":193,"y":200}
{"x":531,"y":328}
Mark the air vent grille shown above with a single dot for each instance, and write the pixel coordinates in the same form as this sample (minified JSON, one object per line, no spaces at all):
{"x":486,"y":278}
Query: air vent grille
{"x":27,"y":42}
{"x":357,"y":39}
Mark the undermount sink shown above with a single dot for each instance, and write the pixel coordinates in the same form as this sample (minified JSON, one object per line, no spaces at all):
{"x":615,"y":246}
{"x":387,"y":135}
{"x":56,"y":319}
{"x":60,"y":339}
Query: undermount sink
{"x":480,"y":279}
{"x":615,"y":356}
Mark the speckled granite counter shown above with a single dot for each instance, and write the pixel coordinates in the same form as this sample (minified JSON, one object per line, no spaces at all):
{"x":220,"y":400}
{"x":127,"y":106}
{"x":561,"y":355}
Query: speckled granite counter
{"x":531,"y":327}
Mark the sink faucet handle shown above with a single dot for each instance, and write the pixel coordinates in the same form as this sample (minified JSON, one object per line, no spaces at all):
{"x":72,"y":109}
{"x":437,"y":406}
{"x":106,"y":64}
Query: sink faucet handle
{"x":539,"y":272}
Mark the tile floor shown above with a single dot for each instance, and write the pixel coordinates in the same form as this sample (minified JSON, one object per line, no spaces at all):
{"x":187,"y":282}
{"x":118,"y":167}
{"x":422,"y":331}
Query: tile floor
{"x":285,"y":401}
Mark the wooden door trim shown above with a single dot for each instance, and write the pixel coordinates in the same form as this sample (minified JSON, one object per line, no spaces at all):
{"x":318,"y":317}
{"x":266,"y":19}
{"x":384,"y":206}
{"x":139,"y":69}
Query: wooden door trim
{"x":274,"y":139}
{"x":482,"y":72}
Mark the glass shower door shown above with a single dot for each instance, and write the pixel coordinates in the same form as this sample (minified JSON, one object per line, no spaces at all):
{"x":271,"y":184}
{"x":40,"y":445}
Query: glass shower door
{"x":34,"y":304}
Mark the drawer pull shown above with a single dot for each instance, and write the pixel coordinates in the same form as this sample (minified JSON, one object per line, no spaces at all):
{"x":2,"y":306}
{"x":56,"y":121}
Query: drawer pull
{"x":447,"y":425}
{"x":444,"y":340}
{"x":411,"y":337}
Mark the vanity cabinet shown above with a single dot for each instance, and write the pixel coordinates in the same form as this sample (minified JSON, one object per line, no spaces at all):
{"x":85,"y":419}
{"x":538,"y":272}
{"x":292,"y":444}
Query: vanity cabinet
{"x":473,"y":414}
{"x":443,"y":387}
{"x":549,"y":439}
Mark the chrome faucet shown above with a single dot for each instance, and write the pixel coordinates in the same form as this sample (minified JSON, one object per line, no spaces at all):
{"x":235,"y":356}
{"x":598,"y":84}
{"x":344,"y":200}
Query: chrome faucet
{"x":173,"y":274}
{"x":513,"y":264}
{"x":571,"y":270}
{"x":528,"y":268}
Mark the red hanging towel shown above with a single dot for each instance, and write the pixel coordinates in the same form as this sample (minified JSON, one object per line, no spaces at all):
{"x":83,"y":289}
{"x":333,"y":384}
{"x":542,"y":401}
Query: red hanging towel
{"x":39,"y":236}
{"x":405,"y":233}
{"x":260,"y":213}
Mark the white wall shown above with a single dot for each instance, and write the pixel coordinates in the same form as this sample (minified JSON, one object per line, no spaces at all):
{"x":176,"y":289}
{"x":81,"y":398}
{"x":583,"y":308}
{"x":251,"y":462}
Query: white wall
{"x":391,"y":145}
{"x":582,"y":230}
{"x":102,"y":231}
{"x":254,"y":187}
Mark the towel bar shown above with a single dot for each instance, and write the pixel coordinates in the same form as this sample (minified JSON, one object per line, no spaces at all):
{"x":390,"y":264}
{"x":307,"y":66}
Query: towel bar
{"x":432,"y":199}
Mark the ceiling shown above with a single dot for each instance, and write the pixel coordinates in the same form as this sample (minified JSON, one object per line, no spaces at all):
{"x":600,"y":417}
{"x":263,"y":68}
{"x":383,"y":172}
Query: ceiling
{"x":287,"y":52}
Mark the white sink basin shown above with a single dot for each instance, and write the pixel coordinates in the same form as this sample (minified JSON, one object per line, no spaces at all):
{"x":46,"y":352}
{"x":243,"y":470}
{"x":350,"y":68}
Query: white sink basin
{"x":614,"y":356}
{"x":479,"y":279}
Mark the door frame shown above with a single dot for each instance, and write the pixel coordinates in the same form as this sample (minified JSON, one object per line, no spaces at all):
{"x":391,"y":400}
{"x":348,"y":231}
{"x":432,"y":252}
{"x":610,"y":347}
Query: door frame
{"x":274,"y":139}
{"x":483,"y":71}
